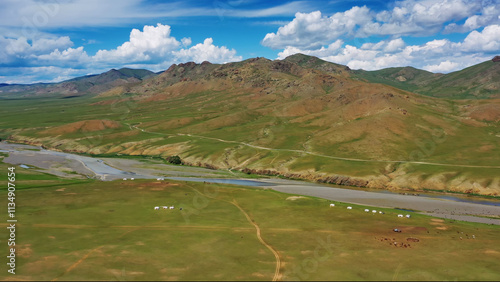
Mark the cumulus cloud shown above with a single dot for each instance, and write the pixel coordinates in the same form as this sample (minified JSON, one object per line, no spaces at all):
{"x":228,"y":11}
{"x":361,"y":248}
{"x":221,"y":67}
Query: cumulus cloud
{"x":70,"y":56}
{"x":323,"y":36}
{"x":20,"y":50}
{"x":186,"y":41}
{"x":207,"y":51}
{"x":409,"y":17}
{"x":487,"y":40}
{"x":420,"y":17}
{"x":152,"y":48}
{"x":156,"y":46}
{"x":489,"y":15}
{"x":312,"y":30}
{"x":333,"y":48}
{"x":44,"y":45}
{"x":445,"y":67}
{"x":436,"y":55}
{"x":394,"y":45}
{"x":26,"y":75}
{"x":153,"y":42}
{"x":387,"y":46}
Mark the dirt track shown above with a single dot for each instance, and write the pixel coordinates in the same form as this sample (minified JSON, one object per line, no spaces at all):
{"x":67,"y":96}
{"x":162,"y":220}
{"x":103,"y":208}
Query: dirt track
{"x":311,"y":153}
{"x":277,"y":275}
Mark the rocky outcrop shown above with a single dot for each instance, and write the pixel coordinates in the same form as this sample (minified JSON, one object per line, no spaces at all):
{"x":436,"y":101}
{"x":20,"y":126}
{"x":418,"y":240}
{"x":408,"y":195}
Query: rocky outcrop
{"x":344,"y":180}
{"x":496,"y":59}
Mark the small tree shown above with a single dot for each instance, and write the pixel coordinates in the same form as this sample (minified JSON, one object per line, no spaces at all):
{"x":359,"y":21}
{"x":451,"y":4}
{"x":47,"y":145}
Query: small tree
{"x":174,"y":160}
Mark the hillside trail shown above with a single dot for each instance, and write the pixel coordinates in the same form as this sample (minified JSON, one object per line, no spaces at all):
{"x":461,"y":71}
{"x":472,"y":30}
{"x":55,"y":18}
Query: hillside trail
{"x":307,"y":152}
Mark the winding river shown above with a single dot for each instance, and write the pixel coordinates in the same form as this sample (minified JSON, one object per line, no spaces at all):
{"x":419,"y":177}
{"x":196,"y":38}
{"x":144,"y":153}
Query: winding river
{"x":472,"y":209}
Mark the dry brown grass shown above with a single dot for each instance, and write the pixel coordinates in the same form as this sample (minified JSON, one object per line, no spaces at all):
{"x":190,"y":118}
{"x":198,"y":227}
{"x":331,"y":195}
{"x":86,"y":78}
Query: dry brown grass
{"x":82,"y":126}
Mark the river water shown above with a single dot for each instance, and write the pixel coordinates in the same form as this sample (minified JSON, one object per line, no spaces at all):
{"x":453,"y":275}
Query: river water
{"x":444,"y":206}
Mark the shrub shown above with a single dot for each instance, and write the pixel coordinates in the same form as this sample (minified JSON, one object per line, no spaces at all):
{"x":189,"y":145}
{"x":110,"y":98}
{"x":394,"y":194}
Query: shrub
{"x":174,"y":160}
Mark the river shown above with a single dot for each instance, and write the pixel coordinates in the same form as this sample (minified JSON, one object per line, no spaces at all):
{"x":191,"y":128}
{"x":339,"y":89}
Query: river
{"x":443,"y":206}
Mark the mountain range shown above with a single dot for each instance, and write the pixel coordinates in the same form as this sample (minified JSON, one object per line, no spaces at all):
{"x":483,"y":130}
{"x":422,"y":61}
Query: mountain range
{"x":300,"y":117}
{"x":481,"y":81}
{"x":80,"y":85}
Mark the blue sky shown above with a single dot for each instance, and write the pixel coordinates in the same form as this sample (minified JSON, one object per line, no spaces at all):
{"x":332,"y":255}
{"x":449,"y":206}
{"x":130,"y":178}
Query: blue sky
{"x":54,"y":40}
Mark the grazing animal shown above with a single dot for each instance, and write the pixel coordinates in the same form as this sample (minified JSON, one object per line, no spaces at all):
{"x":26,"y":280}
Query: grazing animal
{"x":171,"y":207}
{"x":349,"y":208}
{"x":400,"y":215}
{"x":367,"y":210}
{"x":157,"y":208}
{"x":332,"y":205}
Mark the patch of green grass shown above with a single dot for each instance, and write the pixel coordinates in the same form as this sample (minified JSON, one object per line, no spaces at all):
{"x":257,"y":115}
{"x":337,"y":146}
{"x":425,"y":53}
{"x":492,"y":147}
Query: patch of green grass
{"x":110,"y":231}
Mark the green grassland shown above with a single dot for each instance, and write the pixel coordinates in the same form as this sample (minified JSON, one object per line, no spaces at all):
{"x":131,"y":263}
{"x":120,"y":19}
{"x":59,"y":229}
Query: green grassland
{"x":91,"y":230}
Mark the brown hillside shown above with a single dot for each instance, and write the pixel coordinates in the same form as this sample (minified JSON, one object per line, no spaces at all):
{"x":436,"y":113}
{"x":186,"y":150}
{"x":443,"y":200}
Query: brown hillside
{"x":82,"y":126}
{"x":487,"y":112}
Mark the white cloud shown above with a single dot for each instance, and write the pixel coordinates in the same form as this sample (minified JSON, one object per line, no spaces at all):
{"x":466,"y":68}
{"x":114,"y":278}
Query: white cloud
{"x":445,"y":67}
{"x":206,"y":51}
{"x":287,"y":9}
{"x":156,"y":46}
{"x":186,"y":41}
{"x":312,"y":30}
{"x":13,"y":50}
{"x":435,"y":55}
{"x":44,"y":45}
{"x":430,"y":12}
{"x":13,"y":46}
{"x":152,"y":48}
{"x":394,"y":45}
{"x":27,"y":75}
{"x":487,"y":40}
{"x":410,"y":17}
{"x":489,"y":15}
{"x":387,"y":46}
{"x":314,"y":34}
{"x":151,"y":43}
{"x":69,"y":57}
{"x":322,"y":52}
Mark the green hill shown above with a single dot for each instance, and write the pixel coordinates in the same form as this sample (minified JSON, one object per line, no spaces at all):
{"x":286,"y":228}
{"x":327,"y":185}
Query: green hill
{"x":406,"y":78}
{"x":481,"y":81}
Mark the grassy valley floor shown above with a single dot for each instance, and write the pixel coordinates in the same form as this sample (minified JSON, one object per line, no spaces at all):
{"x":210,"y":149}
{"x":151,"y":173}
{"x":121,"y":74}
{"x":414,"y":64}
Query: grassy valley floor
{"x":93,"y":230}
